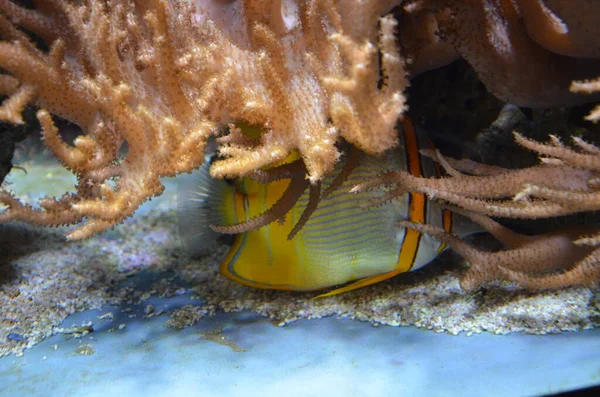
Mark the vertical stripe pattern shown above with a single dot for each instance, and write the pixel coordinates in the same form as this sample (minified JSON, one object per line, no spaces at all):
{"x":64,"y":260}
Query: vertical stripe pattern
{"x":417,"y":201}
{"x":342,"y":241}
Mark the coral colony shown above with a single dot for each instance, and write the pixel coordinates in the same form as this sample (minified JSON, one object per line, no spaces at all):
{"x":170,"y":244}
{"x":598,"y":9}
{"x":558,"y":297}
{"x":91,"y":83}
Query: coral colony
{"x":162,"y":78}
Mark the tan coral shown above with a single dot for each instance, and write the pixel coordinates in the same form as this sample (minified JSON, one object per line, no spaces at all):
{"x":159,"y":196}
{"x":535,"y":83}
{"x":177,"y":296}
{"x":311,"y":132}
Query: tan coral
{"x":551,"y":260}
{"x":588,"y":87}
{"x":115,"y":96}
{"x":160,"y":78}
{"x":567,"y":182}
{"x":304,"y":74}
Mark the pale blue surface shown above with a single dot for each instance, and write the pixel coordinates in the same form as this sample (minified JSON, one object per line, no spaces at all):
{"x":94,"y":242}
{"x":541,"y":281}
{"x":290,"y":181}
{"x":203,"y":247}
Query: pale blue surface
{"x":327,"y":357}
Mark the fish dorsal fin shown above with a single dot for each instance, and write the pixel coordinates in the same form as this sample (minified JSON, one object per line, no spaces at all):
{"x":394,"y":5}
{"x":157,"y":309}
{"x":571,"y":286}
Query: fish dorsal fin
{"x":200,"y":204}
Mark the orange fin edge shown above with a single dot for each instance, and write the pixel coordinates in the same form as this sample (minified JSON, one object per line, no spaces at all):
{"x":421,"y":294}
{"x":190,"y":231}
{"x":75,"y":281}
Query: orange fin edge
{"x":363,"y":282}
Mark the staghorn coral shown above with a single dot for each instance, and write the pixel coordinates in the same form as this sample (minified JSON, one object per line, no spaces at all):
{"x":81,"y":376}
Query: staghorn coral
{"x":155,"y":80}
{"x":549,"y":260}
{"x":531,"y":53}
{"x":160,"y":78}
{"x":566,"y":182}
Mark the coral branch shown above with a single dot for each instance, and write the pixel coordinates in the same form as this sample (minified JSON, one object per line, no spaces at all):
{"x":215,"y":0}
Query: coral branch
{"x":162,"y":77}
{"x":564,"y":185}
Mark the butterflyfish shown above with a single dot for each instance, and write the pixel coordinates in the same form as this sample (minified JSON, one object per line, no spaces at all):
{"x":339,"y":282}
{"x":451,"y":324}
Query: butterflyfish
{"x":341,"y":243}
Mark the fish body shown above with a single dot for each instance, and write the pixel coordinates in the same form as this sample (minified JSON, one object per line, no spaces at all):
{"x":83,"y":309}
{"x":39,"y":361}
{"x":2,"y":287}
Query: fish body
{"x":341,"y":242}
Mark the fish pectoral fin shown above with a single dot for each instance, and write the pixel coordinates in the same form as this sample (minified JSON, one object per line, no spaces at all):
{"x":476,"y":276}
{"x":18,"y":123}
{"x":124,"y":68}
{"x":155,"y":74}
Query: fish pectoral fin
{"x":363,"y":282}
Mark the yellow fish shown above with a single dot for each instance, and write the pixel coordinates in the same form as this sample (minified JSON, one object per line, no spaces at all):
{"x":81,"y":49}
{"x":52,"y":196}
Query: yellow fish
{"x":341,"y":242}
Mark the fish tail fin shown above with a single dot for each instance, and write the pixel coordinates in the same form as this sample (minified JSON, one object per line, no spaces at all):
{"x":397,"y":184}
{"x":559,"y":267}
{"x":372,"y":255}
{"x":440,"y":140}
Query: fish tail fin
{"x":472,"y":222}
{"x":199,"y":205}
{"x":463,"y":226}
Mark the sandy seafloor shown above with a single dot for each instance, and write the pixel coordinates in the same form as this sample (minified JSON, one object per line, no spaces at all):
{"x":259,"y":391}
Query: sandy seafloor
{"x":129,"y":312}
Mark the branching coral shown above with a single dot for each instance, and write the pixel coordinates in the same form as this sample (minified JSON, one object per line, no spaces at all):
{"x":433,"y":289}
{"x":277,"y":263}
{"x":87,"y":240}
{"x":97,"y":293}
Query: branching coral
{"x":307,"y":84}
{"x":567,"y":182}
{"x":150,"y":82}
{"x":162,"y":77}
{"x":111,"y":72}
{"x":550,"y":260}
{"x":529,"y":53}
